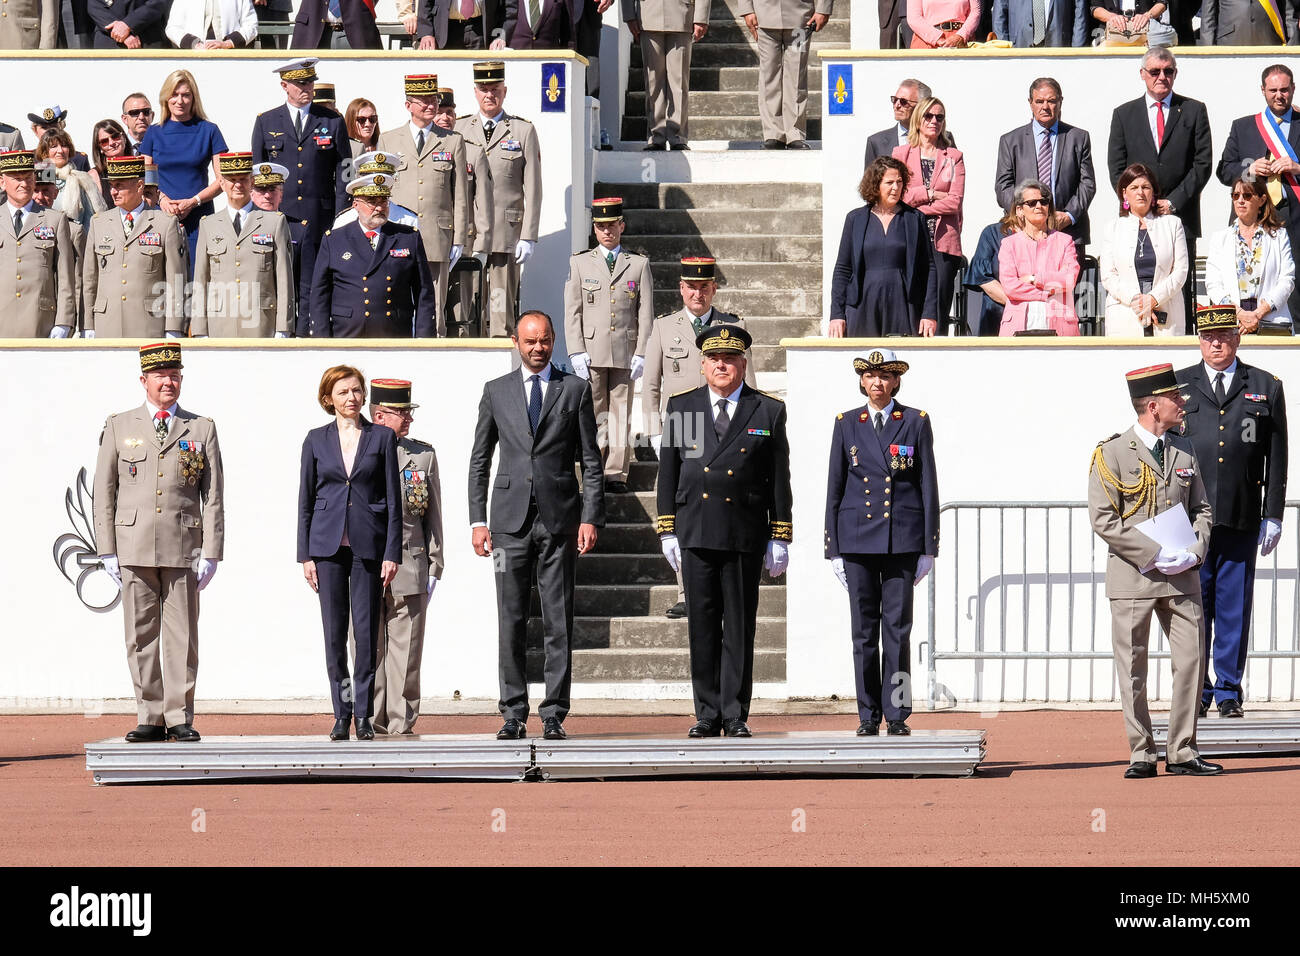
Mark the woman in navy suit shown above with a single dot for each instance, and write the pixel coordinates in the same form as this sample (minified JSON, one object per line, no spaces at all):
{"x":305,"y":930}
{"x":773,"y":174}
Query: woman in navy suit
{"x":349,"y":537}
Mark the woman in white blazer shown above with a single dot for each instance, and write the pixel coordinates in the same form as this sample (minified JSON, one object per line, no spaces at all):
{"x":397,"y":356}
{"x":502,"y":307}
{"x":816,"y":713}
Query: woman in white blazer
{"x":1249,"y":264}
{"x":1143,"y":262}
{"x":187,"y":24}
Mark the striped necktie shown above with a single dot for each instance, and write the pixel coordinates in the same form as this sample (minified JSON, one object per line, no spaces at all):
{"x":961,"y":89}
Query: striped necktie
{"x":1045,"y":160}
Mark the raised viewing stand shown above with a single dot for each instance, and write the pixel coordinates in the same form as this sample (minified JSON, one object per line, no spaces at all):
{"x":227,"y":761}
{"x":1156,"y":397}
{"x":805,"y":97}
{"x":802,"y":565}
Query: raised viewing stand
{"x":1261,"y":734}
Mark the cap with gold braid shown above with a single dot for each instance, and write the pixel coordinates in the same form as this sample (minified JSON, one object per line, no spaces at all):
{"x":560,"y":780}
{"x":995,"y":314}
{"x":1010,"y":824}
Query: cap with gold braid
{"x":699,"y":269}
{"x":490,"y":71}
{"x":723,"y":338}
{"x":235,"y":164}
{"x":880,"y":360}
{"x":298,"y":71}
{"x":160,"y":355}
{"x":323,"y":93}
{"x":269,"y":174}
{"x":378,"y":162}
{"x":609,"y":209}
{"x":18,"y":161}
{"x":46,"y":172}
{"x":391,"y":393}
{"x":125,"y":167}
{"x":1210,"y":318}
{"x":376,"y":184}
{"x":1152,"y":380}
{"x":421,"y":84}
{"x":447,"y":97}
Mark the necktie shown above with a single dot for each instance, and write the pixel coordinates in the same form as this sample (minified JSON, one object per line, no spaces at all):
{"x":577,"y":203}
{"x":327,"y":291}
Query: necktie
{"x":335,"y":11}
{"x":467,"y":9}
{"x":129,"y":220}
{"x":1045,"y":160}
{"x":1220,"y":394}
{"x":1040,"y":21}
{"x":160,"y":425}
{"x":419,"y":143}
{"x":697,"y":323}
{"x":370,"y":234}
{"x":18,"y":223}
{"x":534,"y":402}
{"x":534,"y":14}
{"x":488,"y":127}
{"x":1158,"y":451}
{"x":880,"y":422}
{"x":723,"y":421}
{"x":297,"y":122}
{"x":238,"y":222}
{"x":1160,"y":125}
{"x":609,"y":261}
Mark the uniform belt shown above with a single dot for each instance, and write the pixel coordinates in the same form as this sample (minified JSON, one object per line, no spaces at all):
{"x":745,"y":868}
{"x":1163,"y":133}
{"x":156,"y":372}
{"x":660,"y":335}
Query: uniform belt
{"x":334,"y":24}
{"x":949,"y":25}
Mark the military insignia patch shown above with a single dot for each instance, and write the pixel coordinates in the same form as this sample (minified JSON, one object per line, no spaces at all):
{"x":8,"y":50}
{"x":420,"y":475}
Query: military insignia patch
{"x":150,"y":239}
{"x":43,"y":232}
{"x":324,"y":141}
{"x":1185,"y":472}
{"x":758,"y":431}
{"x":1253,"y":397}
{"x":876,"y":358}
{"x":440,"y":157}
{"x":897,"y":415}
{"x":346,"y":256}
{"x":513,"y":145}
{"x":863,"y":417}
{"x":263,"y":239}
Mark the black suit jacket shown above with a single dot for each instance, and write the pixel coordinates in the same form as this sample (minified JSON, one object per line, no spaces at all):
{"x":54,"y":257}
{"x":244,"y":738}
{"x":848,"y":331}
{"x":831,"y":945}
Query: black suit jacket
{"x":1076,"y":184}
{"x":368,"y":502}
{"x":556,"y":30}
{"x":433,"y":18}
{"x":1185,"y":159}
{"x":537,"y":466}
{"x":384,"y":292}
{"x":309,"y":26}
{"x":880,"y":144}
{"x":1245,"y":479}
{"x":315,"y":193}
{"x":732,"y":495}
{"x":920,"y":275}
{"x":146,"y":18}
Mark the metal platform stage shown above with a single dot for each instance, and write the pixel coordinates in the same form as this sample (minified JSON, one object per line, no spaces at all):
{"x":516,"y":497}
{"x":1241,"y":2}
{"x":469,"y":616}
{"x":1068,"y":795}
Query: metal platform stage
{"x":482,"y":757}
{"x":1257,"y":734}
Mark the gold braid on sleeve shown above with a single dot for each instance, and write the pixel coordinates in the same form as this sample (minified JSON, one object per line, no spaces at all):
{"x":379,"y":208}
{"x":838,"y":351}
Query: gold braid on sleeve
{"x":1141,"y":490}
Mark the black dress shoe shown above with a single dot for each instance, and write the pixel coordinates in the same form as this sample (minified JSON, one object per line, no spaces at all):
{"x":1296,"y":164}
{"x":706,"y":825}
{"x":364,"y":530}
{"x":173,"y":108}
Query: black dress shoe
{"x":1231,"y":708}
{"x":705,"y":728}
{"x":512,"y":730}
{"x":679,"y":146}
{"x":1195,"y":767}
{"x":869,"y":729}
{"x":365,"y":729}
{"x":183,"y":733}
{"x":1136,"y":771}
{"x":147,"y":734}
{"x":616,"y":487}
{"x":735,"y":727}
{"x":552,"y":729}
{"x":899,"y":728}
{"x":1203,"y":709}
{"x":341,"y":729}
{"x":798,"y":144}
{"x":677,"y":611}
{"x":773,"y":144}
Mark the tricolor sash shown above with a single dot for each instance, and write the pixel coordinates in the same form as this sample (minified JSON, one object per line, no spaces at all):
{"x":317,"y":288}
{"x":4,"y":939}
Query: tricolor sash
{"x":1277,"y":144}
{"x":1274,"y":17}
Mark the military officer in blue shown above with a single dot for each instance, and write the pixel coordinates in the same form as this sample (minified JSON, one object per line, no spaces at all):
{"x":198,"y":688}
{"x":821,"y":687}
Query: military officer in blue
{"x":724,"y":514}
{"x":882,"y":534}
{"x":372,"y":279}
{"x":312,"y":142}
{"x":1236,"y":420}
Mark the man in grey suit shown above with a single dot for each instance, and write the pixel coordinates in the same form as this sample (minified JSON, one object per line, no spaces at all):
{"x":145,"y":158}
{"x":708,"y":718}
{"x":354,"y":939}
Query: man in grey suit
{"x":1054,"y":153}
{"x":909,"y":93}
{"x":542,"y":420}
{"x":1241,"y":23}
{"x":1036,"y":23}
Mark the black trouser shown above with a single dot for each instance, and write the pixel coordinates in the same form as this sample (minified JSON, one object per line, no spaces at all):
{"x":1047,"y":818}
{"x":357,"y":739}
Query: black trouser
{"x":880,"y":609}
{"x":515,"y":558}
{"x":722,"y":606}
{"x":948,"y":266}
{"x":348,"y":581}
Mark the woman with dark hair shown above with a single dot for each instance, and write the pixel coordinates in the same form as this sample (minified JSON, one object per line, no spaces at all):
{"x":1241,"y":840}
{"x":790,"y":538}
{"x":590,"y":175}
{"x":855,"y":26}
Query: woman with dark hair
{"x":349,"y":537}
{"x":982,"y":274}
{"x":362,"y":120}
{"x":885,"y":281}
{"x":107,"y":139}
{"x":1143,"y":261}
{"x":79,"y":198}
{"x":1037,"y":268}
{"x":1250,"y":263}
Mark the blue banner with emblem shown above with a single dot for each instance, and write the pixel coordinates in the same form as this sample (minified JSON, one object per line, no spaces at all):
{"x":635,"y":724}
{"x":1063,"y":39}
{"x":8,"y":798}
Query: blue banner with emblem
{"x":839,"y":89}
{"x":552,"y":87}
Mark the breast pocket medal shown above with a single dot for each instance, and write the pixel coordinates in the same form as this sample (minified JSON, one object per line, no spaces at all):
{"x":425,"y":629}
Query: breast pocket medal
{"x":416,"y":491}
{"x":191,"y":461}
{"x":853,"y":453}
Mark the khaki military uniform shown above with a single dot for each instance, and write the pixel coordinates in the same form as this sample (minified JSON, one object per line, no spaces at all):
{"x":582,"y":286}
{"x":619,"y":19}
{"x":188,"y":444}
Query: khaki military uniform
{"x":608,"y":315}
{"x":434,"y":184}
{"x":243,"y":284}
{"x":666,"y":39}
{"x":29,"y":25}
{"x":1134,"y":594}
{"x":783,"y":44}
{"x":11,"y":138}
{"x":160,"y":509}
{"x":134,"y":283}
{"x":508,"y":197}
{"x":397,"y":663}
{"x":37,"y":278}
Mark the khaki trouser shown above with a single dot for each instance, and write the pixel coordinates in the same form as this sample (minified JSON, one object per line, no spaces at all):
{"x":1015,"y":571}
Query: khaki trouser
{"x":611,"y":400}
{"x":441,"y":275}
{"x":397,"y":663}
{"x":161,"y":612}
{"x":502,"y":293}
{"x":783,"y":83}
{"x":667,"y":58}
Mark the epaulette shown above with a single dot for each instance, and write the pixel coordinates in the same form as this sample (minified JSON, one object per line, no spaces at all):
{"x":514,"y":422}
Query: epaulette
{"x":416,"y":444}
{"x":683,"y":392}
{"x":770,"y":395}
{"x":666,"y":315}
{"x":1276,"y":379}
{"x":1104,"y":440}
{"x":6,"y":128}
{"x":328,"y":231}
{"x":920,"y":412}
{"x":839,"y":416}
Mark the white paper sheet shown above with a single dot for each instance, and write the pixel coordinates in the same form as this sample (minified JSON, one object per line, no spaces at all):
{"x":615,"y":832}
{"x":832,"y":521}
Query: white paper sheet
{"x":1170,"y":529}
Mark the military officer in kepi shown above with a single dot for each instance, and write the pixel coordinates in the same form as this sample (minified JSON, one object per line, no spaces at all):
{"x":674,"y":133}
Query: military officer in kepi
{"x":1236,"y":421}
{"x":159,"y":528}
{"x":724,"y":504}
{"x":44,"y":303}
{"x":882,"y":534}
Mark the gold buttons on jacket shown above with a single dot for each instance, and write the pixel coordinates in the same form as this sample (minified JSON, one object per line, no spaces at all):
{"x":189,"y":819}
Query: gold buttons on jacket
{"x":706,"y":494}
{"x":159,"y":510}
{"x":730,"y":472}
{"x":706,"y":468}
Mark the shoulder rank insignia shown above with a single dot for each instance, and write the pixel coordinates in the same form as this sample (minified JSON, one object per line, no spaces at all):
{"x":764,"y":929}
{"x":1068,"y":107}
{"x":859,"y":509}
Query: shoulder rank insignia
{"x":682,"y":392}
{"x":839,"y":416}
{"x":1104,"y":440}
{"x":863,"y":417}
{"x":922,"y":414}
{"x":770,"y":395}
{"x":897,"y":415}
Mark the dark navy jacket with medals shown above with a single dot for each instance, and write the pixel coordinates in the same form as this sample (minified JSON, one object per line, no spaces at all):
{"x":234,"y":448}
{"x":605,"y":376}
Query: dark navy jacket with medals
{"x":385,"y":292}
{"x":313,"y":191}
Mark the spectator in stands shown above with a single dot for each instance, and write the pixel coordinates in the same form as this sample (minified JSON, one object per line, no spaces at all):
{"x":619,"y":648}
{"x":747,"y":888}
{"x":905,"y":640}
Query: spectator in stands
{"x":1063,"y":22}
{"x":30,"y":25}
{"x":1037,"y":268}
{"x":336,"y":25}
{"x":1129,"y":22}
{"x":137,"y":117}
{"x":445,"y":116}
{"x":942,"y":24}
{"x":1169,"y":134}
{"x":1242,"y":23}
{"x":982,"y":275}
{"x":1052,"y":152}
{"x":107,"y":139}
{"x":46,"y":192}
{"x":184,"y":145}
{"x":1267,"y":143}
{"x":79,"y":195}
{"x":890,"y":14}
{"x":129,"y":24}
{"x":220,"y":25}
{"x":937,"y":187}
{"x":909,"y":93}
{"x":885,"y":280}
{"x":666,"y":31}
{"x":1143,"y":262}
{"x":554,"y":28}
{"x":460,"y":24}
{"x":362,"y":118}
{"x":783,"y":30}
{"x":272,"y":12}
{"x":76,"y":29}
{"x":55,"y":117}
{"x":1250,"y":264}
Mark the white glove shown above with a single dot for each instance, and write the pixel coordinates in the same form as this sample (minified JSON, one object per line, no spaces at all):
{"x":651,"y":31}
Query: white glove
{"x":281,"y":335}
{"x":207,"y":568}
{"x":638,"y":367}
{"x":456,"y":253}
{"x":59,"y":332}
{"x":837,"y":565}
{"x":175,"y":335}
{"x":1270,"y":530}
{"x":777,"y":558}
{"x":656,"y":442}
{"x":110,"y":565}
{"x":433,"y":583}
{"x":87,"y":333}
{"x":1175,"y":562}
{"x":671,"y":551}
{"x":581,"y":363}
{"x":924,"y":565}
{"x":523,"y":250}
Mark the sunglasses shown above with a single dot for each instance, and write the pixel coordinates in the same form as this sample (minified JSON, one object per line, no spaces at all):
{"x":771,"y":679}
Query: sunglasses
{"x":146,"y":111}
{"x":1245,"y":196}
{"x":1034,"y":203}
{"x":109,"y":138}
{"x":934,"y":117}
{"x":899,"y":101}
{"x":1162,"y":71}
{"x":367,"y":119}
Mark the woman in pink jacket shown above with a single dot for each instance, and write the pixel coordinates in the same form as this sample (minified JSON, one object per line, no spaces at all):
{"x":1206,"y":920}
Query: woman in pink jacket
{"x":1037,"y":268}
{"x":937,"y":187}
{"x":942,"y":24}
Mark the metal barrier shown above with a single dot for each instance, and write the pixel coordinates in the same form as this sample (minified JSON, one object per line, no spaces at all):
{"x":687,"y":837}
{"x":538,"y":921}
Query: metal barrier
{"x":994,"y":625}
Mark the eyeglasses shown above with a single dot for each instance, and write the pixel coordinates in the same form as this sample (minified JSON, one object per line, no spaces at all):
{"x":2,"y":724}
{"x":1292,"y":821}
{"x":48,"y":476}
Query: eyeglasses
{"x":367,"y":119}
{"x":107,"y":138}
{"x":403,"y":414}
{"x":1245,"y":196}
{"x":1162,"y":71}
{"x":1034,"y":203}
{"x":145,"y":111}
{"x":934,"y":117}
{"x":899,"y":101}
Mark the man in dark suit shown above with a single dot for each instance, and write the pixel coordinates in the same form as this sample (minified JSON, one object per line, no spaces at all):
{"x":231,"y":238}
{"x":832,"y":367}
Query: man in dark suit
{"x":128,"y":24}
{"x":1170,"y":135}
{"x":1247,"y":150}
{"x":1063,"y":24}
{"x":724,"y":513}
{"x":552,"y":27}
{"x":336,"y":24}
{"x":1055,"y":153}
{"x":1236,"y":421}
{"x":1241,"y":23}
{"x":313,"y":141}
{"x":910,"y":92}
{"x":542,"y":421}
{"x":458,"y":24}
{"x":347,"y":287}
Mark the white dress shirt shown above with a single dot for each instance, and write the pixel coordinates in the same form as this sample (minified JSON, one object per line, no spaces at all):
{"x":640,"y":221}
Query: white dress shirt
{"x":1145,"y":437}
{"x":170,"y":410}
{"x":242,"y":213}
{"x":544,"y":377}
{"x":1228,"y":373}
{"x":731,"y":399}
{"x":886,"y":412}
{"x":135,"y":216}
{"x":1151,"y":115}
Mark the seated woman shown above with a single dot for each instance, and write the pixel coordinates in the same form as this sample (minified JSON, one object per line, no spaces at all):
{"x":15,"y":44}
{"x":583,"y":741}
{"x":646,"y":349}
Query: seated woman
{"x":982,"y":274}
{"x":1143,"y":262}
{"x":1037,"y":268}
{"x":885,"y":281}
{"x":1146,"y":19}
{"x":1249,"y":264}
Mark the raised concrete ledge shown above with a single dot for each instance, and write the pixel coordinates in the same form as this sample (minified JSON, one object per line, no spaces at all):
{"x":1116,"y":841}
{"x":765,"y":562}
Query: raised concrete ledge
{"x":1255,"y":735}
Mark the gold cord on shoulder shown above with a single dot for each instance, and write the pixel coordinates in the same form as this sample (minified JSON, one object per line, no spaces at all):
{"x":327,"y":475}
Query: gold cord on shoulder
{"x":1142,"y":490}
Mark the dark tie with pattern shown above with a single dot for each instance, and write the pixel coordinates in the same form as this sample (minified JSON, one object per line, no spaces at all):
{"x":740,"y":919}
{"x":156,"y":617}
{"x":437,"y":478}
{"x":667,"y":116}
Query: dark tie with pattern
{"x":18,"y":222}
{"x":534,"y":402}
{"x":1045,"y":160}
{"x":239,"y":223}
{"x":419,"y":143}
{"x":723,"y":421}
{"x":297,"y":122}
{"x":1220,"y":394}
{"x":488,"y":127}
{"x":1158,"y":452}
{"x":160,"y":425}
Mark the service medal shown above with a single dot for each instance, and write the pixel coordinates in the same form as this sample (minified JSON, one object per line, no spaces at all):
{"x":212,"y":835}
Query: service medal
{"x":191,"y":465}
{"x":415,"y":491}
{"x":853,"y":452}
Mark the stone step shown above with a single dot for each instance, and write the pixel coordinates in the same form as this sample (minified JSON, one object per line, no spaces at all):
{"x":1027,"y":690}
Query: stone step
{"x":770,"y":330}
{"x":745,"y":248}
{"x":630,"y":537}
{"x":741,"y":128}
{"x":631,"y":508}
{"x":609,"y":568}
{"x":733,"y":53}
{"x":732,"y":196}
{"x":721,"y":103}
{"x":748,"y":276}
{"x":629,"y":633}
{"x":651,"y":664}
{"x":768,"y":358}
{"x":797,"y":302}
{"x":708,"y":222}
{"x":738,"y":79}
{"x":625,"y":600}
{"x":733,"y":30}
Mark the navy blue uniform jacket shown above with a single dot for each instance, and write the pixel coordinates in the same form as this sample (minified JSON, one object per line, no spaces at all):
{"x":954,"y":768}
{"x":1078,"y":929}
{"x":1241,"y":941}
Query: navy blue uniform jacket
{"x":385,"y":292}
{"x":369,"y":502}
{"x":313,"y":191}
